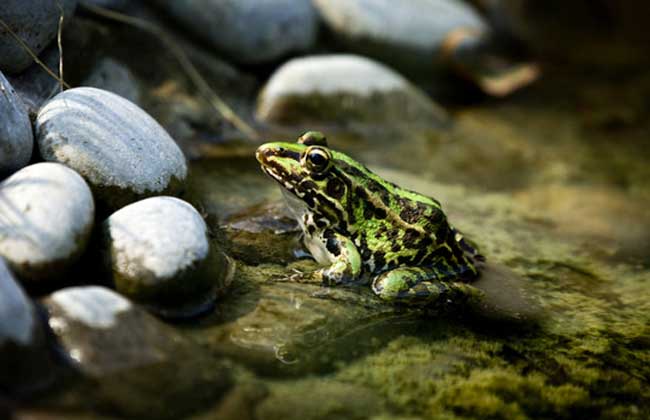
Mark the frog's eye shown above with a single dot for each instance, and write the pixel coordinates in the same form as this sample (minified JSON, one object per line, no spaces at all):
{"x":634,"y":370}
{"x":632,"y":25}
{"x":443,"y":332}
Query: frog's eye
{"x":316,"y":159}
{"x":313,"y":138}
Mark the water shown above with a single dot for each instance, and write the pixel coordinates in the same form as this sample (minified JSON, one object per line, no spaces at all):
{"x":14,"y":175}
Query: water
{"x":553,"y":185}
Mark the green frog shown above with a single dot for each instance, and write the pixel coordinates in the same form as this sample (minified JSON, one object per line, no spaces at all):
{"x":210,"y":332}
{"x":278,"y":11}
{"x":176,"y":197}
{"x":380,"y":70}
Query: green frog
{"x":367,"y":230}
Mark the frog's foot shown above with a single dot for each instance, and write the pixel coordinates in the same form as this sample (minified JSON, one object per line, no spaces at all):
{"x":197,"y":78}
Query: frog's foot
{"x":296,"y":276}
{"x":422,"y":286}
{"x":346,"y":261}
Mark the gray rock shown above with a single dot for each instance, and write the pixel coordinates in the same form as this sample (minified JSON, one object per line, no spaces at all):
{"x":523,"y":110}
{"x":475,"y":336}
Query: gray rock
{"x":343,"y":87}
{"x":47,"y":213}
{"x":34,"y":85}
{"x":410,"y":36}
{"x":26,"y":363}
{"x":115,"y":77}
{"x":122,"y":152}
{"x":133,"y":364}
{"x":69,"y":7}
{"x":109,"y":4}
{"x":159,"y":254}
{"x":35,"y":22}
{"x":16,"y":137}
{"x":250,"y":31}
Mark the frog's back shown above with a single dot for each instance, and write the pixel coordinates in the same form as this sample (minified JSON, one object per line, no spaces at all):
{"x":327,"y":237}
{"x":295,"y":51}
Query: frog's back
{"x":394,"y":227}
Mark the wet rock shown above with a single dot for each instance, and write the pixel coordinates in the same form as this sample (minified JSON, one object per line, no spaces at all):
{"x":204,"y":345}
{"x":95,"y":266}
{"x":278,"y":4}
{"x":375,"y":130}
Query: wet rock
{"x":250,"y":31}
{"x":46,"y":213}
{"x":279,"y":327}
{"x":122,"y":152}
{"x":113,"y":76}
{"x":159,"y":254}
{"x":343,"y":88}
{"x":412,"y":36}
{"x":33,"y":21}
{"x":26,"y":362}
{"x":506,"y":296}
{"x":16,"y":137}
{"x":266,"y":233}
{"x":133,"y":365}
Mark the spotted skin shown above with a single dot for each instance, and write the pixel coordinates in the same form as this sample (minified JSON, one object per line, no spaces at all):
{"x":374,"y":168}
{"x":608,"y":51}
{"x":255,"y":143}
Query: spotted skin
{"x":368,"y":230}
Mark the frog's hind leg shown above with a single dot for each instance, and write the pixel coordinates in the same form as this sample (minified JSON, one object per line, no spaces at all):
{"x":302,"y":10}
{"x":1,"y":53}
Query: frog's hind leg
{"x":422,"y":286}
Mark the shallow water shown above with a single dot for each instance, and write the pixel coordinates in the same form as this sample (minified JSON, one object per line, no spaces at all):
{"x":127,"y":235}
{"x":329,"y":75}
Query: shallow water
{"x":553,"y":184}
{"x":553,"y":191}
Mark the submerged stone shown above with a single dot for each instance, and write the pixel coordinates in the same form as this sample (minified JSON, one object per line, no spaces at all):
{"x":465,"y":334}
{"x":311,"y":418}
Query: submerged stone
{"x":336,"y":399}
{"x":131,"y":363}
{"x":264,"y":234}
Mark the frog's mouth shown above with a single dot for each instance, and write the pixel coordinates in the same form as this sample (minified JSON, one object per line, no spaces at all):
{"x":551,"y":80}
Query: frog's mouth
{"x":273,"y":169}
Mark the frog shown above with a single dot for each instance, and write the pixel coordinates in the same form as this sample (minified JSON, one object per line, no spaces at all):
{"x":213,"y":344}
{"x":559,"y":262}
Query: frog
{"x":365,"y":230}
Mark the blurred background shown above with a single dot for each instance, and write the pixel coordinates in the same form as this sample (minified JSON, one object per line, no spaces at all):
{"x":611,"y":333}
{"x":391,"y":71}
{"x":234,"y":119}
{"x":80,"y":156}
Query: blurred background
{"x":528,"y":120}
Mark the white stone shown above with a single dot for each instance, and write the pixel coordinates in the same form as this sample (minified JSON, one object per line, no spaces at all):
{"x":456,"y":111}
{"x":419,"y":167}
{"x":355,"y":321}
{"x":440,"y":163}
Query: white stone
{"x":110,"y":141}
{"x":346,"y":84}
{"x":421,"y":24}
{"x":16,"y":311}
{"x":331,"y":74}
{"x":46,"y":215}
{"x":94,"y":306}
{"x":161,"y":236}
{"x":16,"y":137}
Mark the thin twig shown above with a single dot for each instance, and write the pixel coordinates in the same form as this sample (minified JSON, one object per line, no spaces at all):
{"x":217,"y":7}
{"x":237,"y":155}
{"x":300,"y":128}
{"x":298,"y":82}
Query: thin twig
{"x":33,"y":54}
{"x":211,"y":97}
{"x":59,"y":42}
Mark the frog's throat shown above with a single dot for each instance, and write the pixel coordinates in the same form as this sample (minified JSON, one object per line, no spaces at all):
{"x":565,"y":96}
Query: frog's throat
{"x":277,"y":177}
{"x":298,"y":208}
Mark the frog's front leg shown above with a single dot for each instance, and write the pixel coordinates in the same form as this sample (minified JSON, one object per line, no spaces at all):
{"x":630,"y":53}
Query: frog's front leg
{"x":345,"y":258}
{"x":422,"y":286}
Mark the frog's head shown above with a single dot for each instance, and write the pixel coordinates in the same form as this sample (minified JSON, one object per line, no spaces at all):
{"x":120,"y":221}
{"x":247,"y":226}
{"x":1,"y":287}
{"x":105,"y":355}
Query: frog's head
{"x":310,"y":171}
